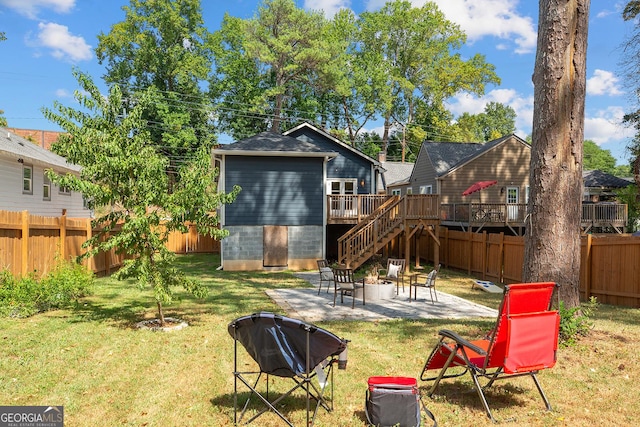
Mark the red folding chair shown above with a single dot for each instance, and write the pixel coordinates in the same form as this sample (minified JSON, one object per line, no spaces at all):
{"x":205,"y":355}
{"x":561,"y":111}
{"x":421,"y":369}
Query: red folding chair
{"x":524,"y":341}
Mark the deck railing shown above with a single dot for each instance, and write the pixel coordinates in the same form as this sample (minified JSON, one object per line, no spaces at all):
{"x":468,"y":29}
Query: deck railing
{"x":374,"y":229}
{"x":353,"y":208}
{"x":593,"y":214}
{"x":356,"y":208}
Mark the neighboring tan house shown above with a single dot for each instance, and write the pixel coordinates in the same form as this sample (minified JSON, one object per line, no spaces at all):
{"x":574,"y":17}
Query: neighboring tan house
{"x":279,"y":219}
{"x":449,"y":168}
{"x":25,"y":186}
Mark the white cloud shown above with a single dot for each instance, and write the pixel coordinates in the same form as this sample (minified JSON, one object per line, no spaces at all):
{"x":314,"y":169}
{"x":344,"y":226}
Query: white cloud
{"x":30,"y":8}
{"x":606,"y":126}
{"x":482,"y":18}
{"x":62,"y":43}
{"x":330,"y":7}
{"x":603,"y":83}
{"x":62,"y":93}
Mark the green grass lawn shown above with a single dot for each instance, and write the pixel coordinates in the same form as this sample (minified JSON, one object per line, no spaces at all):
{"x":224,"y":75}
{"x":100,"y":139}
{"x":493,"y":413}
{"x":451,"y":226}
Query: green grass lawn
{"x":105,"y":372}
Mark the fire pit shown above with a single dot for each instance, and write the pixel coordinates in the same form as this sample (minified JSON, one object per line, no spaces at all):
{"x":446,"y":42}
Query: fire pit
{"x":378,"y":291}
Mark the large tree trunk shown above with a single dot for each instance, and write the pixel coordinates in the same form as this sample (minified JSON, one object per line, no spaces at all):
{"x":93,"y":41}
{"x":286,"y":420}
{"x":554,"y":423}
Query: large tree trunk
{"x":552,"y":242}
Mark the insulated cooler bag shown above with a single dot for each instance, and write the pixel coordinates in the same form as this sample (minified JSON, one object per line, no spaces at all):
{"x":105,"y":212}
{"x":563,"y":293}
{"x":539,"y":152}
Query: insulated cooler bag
{"x":393,"y":401}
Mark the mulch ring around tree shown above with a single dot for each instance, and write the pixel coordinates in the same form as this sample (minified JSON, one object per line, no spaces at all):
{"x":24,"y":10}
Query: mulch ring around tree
{"x":170,"y":324}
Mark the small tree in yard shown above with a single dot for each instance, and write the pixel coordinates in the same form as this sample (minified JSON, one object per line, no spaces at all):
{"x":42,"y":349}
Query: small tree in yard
{"x":123,"y":170}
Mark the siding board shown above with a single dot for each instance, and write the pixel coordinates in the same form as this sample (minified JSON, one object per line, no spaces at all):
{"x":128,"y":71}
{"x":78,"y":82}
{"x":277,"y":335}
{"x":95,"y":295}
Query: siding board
{"x":275,"y":191}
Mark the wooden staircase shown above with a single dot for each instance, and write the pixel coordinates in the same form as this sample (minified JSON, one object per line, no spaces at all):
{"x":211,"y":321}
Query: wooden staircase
{"x":375,"y":231}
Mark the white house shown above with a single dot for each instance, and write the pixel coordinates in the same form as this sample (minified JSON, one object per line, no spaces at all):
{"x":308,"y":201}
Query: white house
{"x":25,"y":185}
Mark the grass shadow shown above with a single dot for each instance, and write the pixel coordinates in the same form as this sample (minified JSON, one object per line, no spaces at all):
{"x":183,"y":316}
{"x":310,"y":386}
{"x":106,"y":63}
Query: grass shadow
{"x":461,"y":393}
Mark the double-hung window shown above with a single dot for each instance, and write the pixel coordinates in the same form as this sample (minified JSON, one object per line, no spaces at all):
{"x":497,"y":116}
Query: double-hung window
{"x":27,"y":179}
{"x":46,"y":188}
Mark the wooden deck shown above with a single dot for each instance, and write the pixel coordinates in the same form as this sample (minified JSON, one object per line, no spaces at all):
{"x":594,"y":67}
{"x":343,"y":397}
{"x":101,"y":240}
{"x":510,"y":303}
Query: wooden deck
{"x":356,"y":208}
{"x":598,"y":217}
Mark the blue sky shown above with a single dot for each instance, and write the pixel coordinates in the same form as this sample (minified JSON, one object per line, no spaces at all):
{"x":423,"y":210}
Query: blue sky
{"x":46,"y":38}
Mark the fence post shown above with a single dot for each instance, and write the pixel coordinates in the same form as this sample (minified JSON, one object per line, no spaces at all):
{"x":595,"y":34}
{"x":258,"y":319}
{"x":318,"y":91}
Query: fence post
{"x":91,"y":261}
{"x":501,"y":255}
{"x":485,"y":254}
{"x":25,"y":243}
{"x":469,"y":259}
{"x":62,"y":223}
{"x":587,"y":275}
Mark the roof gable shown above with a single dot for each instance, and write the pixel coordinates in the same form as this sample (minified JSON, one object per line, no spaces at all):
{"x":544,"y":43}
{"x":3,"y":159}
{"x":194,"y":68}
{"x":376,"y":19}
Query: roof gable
{"x":445,"y":157}
{"x":307,"y":129}
{"x":270,"y":143}
{"x":14,"y":146}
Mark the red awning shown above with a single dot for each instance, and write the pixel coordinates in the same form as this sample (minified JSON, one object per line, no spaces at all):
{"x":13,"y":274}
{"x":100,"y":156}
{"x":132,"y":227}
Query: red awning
{"x":478,"y":186}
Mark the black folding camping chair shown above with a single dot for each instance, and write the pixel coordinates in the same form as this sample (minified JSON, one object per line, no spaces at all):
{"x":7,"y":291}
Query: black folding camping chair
{"x":286,"y":348}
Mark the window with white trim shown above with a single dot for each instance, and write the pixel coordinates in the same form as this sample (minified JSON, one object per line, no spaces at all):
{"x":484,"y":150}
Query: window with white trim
{"x":65,"y":191}
{"x":27,"y":179}
{"x":426,"y":189}
{"x":409,"y":190}
{"x":46,"y":188}
{"x":396,"y":192}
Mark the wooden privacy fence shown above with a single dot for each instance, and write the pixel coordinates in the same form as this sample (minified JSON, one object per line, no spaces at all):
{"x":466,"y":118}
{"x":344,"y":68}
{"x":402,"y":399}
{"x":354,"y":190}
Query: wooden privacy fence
{"x":30,"y":244}
{"x":609,"y":267}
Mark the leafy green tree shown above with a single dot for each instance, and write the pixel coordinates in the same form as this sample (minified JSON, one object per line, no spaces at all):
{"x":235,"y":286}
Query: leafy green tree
{"x":369,"y":143}
{"x":629,"y":196}
{"x":469,"y":127}
{"x":596,"y":158}
{"x":287,"y":43}
{"x":410,"y":51}
{"x":498,"y":120}
{"x":237,"y":85}
{"x":162,"y":44}
{"x":274,"y":68}
{"x":123,"y":168}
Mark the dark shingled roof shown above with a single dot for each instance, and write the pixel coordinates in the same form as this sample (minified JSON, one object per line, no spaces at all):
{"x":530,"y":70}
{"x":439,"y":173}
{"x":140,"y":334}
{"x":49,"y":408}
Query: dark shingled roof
{"x":272,"y":142}
{"x":447,"y":155}
{"x":599,"y":179}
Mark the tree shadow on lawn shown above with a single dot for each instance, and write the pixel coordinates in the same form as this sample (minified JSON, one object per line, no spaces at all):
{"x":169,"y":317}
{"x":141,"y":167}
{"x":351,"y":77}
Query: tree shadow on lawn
{"x":122,"y":316}
{"x":462,"y":393}
{"x":294,"y":405}
{"x":229,"y":293}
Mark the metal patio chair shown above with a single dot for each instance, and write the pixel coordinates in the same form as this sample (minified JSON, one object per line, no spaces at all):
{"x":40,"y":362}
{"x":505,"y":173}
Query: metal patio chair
{"x":290,"y":349}
{"x":326,"y":274}
{"x":523,"y":342}
{"x":429,"y":283}
{"x":346,"y":284}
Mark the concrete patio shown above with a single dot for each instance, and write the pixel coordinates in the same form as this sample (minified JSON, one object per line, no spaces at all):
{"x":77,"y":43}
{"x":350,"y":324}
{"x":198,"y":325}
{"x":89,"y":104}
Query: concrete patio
{"x":307,"y":305}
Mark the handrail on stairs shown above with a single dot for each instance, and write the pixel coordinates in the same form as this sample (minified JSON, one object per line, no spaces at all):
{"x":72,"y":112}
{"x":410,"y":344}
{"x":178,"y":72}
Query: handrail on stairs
{"x":367,"y":235}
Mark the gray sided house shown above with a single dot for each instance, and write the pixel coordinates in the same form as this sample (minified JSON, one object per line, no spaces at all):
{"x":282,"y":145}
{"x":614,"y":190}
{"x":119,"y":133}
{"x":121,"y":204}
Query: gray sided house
{"x":25,"y":186}
{"x":279,"y":218}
